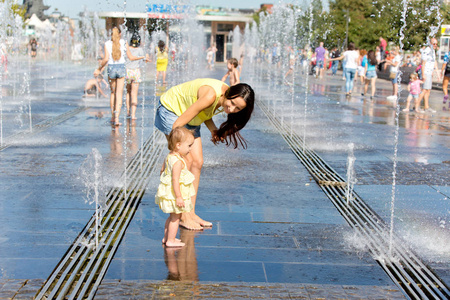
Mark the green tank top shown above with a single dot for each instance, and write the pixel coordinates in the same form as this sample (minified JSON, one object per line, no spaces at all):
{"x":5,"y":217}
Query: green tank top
{"x":180,"y":97}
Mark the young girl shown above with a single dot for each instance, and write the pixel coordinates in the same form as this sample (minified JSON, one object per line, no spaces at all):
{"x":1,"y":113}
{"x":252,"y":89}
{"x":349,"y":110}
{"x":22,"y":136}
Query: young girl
{"x":162,"y":59}
{"x":414,"y":92}
{"x":176,"y":187}
{"x":370,"y":64}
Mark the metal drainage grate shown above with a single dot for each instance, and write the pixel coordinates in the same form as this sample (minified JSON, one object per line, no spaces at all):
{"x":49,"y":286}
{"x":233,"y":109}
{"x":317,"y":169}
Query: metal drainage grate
{"x":81,"y":270}
{"x":41,"y":126}
{"x":402,"y":265}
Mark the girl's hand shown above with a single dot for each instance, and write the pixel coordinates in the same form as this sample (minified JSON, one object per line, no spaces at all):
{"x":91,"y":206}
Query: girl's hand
{"x":179,"y":202}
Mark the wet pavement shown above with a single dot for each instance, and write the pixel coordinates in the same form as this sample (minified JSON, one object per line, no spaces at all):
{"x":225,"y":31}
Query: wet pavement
{"x":275,"y":233}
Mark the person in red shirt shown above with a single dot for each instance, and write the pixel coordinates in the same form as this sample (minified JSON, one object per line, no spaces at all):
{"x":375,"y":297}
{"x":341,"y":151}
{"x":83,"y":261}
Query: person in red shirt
{"x":383,"y":46}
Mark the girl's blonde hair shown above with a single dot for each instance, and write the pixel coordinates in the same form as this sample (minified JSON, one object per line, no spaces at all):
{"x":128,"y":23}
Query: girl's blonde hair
{"x":115,"y":38}
{"x":413,"y":76}
{"x":178,"y":135}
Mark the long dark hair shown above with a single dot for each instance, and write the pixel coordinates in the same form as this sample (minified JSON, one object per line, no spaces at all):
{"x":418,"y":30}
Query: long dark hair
{"x":229,"y":130}
{"x":161,"y":46}
{"x":135,"y":40}
{"x":372,"y":58}
{"x":351,"y":46}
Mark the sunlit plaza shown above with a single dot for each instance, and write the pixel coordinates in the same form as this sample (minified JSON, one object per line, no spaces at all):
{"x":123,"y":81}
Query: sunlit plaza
{"x":336,"y":196}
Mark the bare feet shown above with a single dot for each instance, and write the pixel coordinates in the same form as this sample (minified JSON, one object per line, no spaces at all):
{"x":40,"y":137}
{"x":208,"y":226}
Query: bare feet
{"x":164,"y":240}
{"x":193,"y":222}
{"x":202,"y":222}
{"x":190,"y":225}
{"x":117,"y":123}
{"x":175,"y":243}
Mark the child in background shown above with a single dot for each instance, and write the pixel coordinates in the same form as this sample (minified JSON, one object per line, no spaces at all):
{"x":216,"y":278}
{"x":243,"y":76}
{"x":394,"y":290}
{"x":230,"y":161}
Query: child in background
{"x":176,"y":184}
{"x":414,"y":92}
{"x":93,"y":86}
{"x":233,"y":72}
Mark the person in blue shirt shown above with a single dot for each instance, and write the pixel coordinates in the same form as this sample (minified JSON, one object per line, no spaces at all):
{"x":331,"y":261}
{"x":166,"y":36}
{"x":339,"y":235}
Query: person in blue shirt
{"x":370,"y":64}
{"x":446,"y":74}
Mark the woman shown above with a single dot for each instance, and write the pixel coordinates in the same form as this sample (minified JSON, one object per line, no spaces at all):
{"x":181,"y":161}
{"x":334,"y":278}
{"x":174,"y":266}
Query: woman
{"x":395,"y":64}
{"x":351,"y":57}
{"x":195,"y":102}
{"x":162,"y":59}
{"x":115,"y":51}
{"x":446,"y":74}
{"x":370,"y":63}
{"x":133,"y":76}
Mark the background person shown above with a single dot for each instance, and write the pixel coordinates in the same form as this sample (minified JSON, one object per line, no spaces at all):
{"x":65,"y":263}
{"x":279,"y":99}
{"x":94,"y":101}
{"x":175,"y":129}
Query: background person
{"x":162,"y":59}
{"x":93,"y":86}
{"x":351,"y":57}
{"x":133,"y":77}
{"x":446,"y":75}
{"x":429,"y":65}
{"x":233,"y":72}
{"x":370,"y":69}
{"x":393,"y":71}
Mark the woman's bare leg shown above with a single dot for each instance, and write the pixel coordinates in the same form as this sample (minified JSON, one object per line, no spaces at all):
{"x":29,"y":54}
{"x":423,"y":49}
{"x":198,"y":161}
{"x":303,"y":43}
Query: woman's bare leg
{"x":112,"y":97}
{"x":118,"y":99}
{"x":372,"y":85}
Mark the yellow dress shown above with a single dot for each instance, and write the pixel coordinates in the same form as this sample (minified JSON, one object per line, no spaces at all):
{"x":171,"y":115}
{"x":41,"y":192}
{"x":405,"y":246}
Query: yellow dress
{"x":165,"y":196}
{"x":162,"y":59}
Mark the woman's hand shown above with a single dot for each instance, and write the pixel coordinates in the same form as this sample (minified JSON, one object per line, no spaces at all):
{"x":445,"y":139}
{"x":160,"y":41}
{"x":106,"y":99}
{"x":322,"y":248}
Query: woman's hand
{"x":215,"y":138}
{"x":96,"y":72}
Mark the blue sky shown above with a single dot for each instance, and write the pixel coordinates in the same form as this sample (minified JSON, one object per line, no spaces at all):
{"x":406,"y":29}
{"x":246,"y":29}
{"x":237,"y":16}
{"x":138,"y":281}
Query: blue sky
{"x":71,"y":8}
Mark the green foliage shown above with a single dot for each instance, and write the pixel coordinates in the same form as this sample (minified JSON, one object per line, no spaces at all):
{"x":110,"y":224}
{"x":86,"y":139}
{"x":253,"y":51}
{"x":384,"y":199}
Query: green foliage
{"x":367,"y":21}
{"x":17,"y":10}
{"x":371,"y":19}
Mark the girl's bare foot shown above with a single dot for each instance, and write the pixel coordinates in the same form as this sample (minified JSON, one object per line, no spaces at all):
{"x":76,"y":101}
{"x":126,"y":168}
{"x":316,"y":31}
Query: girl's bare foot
{"x":174,"y":244}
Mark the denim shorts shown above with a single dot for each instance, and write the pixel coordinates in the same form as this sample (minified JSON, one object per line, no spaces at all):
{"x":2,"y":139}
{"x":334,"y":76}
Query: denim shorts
{"x":320,"y":64}
{"x":165,"y":118}
{"x":395,"y":80}
{"x":116,"y":71}
{"x":414,"y":96}
{"x":371,"y":74}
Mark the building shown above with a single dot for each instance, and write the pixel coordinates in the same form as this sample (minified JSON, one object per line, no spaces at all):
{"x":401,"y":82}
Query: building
{"x":218,"y":23}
